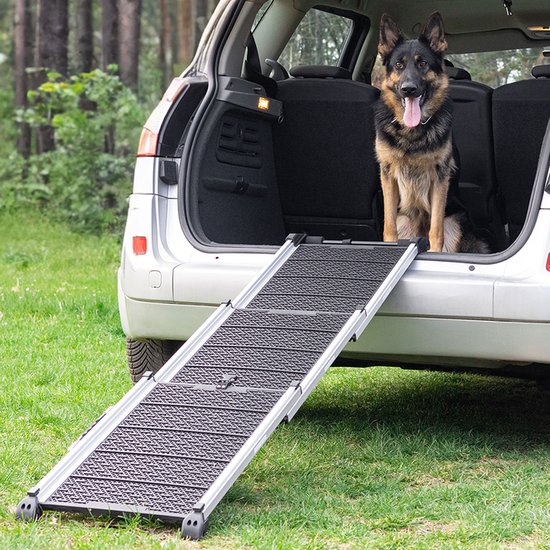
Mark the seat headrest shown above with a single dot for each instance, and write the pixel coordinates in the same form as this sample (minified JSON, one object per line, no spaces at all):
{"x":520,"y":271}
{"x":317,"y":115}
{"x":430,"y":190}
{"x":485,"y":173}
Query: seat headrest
{"x":456,"y":73}
{"x":320,"y":71}
{"x":541,"y":71}
{"x":252,"y":69}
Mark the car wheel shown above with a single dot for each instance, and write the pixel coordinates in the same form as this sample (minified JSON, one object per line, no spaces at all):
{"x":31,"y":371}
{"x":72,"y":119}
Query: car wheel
{"x":148,"y":355}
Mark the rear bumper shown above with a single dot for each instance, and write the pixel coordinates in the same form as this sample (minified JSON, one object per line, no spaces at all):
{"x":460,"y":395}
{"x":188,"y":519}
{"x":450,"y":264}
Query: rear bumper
{"x":441,"y":312}
{"x":389,"y":338}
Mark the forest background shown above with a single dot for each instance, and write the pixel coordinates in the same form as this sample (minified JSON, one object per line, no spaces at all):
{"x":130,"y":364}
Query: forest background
{"x":78,"y":79}
{"x":423,"y":459}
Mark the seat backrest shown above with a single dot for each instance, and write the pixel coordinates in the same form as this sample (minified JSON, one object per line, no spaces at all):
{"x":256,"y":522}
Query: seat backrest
{"x":520,"y":115}
{"x":326,"y":167}
{"x":457,"y":73}
{"x":473,"y":136}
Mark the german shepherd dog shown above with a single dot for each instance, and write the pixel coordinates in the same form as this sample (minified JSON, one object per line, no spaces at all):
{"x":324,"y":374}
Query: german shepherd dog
{"x":413,"y":142}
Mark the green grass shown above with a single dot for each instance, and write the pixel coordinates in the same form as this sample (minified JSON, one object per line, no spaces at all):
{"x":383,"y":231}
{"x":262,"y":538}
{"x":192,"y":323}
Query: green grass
{"x":376,"y":458}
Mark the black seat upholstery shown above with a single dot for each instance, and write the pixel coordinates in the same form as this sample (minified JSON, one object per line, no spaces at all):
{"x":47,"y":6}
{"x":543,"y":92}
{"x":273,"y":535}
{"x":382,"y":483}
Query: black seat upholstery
{"x":324,"y":154}
{"x":456,"y":73}
{"x":473,"y":136}
{"x":520,"y":115}
{"x":320,"y":71}
{"x":541,"y":71}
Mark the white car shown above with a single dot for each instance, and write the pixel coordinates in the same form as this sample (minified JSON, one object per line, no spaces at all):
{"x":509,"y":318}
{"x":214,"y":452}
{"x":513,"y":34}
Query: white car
{"x":269,"y":132}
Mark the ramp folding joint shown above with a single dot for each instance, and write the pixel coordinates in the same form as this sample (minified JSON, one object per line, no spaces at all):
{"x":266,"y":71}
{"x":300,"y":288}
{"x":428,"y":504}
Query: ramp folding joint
{"x":226,"y":380}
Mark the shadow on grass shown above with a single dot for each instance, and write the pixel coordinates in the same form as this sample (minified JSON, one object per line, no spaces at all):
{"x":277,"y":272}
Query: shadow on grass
{"x":512,"y":413}
{"x":383,"y":447}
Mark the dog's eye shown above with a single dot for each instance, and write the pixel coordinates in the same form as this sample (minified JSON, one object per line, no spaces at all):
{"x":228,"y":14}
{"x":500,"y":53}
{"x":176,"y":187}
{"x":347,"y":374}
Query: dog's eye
{"x":422,"y":64}
{"x":399,"y":66}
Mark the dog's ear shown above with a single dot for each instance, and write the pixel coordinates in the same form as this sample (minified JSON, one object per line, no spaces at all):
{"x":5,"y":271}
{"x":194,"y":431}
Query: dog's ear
{"x":434,"y":33}
{"x":390,"y":36}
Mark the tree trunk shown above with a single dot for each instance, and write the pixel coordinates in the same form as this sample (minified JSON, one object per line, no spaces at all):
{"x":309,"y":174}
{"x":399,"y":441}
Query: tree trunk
{"x":51,"y":53}
{"x":186,"y":32}
{"x":201,"y":7}
{"x":84,"y":36}
{"x":165,"y":51}
{"x":109,"y":53}
{"x":174,"y":34}
{"x":53,"y":33}
{"x":109,"y":33}
{"x":129,"y":33}
{"x":22,"y":60}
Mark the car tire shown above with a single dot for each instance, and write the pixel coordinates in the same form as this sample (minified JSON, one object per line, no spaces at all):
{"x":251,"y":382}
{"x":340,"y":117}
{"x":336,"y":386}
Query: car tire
{"x":148,"y":355}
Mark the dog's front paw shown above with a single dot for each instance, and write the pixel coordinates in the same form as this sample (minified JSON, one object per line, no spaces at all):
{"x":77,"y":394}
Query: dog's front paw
{"x":435,"y":247}
{"x":390,"y":237}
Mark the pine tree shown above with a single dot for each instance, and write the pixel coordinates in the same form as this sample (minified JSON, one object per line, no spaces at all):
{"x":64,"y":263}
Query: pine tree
{"x":129,"y":34}
{"x":84,"y":36}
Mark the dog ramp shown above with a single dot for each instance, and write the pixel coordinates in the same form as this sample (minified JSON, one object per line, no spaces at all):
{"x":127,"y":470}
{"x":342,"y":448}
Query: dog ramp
{"x":173,"y":446}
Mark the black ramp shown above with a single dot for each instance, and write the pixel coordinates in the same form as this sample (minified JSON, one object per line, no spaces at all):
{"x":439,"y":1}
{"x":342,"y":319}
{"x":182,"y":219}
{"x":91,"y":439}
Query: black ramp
{"x":174,"y":445}
{"x":264,"y":349}
{"x":328,"y":278}
{"x":166,"y":453}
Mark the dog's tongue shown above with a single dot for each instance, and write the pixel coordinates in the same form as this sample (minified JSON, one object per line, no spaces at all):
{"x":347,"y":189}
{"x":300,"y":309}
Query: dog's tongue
{"x":412,"y":112}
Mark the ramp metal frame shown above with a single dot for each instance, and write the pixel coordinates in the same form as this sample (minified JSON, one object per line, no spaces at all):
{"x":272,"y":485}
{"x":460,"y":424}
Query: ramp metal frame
{"x":176,"y":442}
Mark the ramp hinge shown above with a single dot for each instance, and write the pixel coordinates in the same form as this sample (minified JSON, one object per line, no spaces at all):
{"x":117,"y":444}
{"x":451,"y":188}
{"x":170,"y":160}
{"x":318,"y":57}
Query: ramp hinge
{"x":225,"y":381}
{"x":422,"y":243}
{"x":296,"y":238}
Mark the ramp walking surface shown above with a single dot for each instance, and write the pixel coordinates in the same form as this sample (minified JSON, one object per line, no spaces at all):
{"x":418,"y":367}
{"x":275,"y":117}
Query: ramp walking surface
{"x":173,"y":446}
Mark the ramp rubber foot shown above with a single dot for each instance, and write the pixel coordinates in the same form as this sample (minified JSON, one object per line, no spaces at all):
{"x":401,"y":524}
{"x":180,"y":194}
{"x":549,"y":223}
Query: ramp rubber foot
{"x":194,"y":526}
{"x":28,"y":509}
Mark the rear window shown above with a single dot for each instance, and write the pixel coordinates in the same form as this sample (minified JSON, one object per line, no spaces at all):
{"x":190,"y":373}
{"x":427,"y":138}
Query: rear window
{"x":498,"y":68}
{"x":319,"y":39}
{"x":491,"y":68}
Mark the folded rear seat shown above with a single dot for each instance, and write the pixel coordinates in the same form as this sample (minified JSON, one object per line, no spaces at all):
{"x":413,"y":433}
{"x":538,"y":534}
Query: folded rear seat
{"x":521,"y":111}
{"x":473,"y":136}
{"x":326,"y":167}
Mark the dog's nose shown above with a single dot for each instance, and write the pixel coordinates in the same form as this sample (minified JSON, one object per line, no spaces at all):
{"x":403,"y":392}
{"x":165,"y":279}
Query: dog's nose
{"x":409,"y":88}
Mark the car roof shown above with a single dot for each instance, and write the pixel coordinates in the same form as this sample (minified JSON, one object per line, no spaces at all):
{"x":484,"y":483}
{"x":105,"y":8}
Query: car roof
{"x":470,"y":25}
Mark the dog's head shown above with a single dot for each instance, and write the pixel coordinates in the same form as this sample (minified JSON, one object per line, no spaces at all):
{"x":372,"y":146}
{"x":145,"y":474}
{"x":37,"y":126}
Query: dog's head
{"x":415,"y":74}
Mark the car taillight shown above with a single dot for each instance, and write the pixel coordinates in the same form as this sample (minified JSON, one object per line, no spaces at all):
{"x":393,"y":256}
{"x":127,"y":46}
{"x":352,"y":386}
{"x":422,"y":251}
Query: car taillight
{"x":148,"y":141}
{"x":548,"y":263}
{"x":139,"y":245}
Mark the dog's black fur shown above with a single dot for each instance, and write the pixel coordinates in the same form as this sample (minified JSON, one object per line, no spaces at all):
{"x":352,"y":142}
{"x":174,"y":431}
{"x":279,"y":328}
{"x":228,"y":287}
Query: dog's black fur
{"x":419,"y":165}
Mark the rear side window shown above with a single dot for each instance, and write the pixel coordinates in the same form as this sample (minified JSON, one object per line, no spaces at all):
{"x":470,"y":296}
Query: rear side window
{"x":319,"y":39}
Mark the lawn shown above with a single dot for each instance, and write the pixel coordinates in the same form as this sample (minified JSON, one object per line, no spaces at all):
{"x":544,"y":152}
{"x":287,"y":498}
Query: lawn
{"x":376,"y":458}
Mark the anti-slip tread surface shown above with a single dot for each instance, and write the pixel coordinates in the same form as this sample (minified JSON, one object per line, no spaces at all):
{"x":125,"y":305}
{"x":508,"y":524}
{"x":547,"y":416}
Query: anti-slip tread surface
{"x":166,"y":452}
{"x":178,"y":439}
{"x":328,"y":278}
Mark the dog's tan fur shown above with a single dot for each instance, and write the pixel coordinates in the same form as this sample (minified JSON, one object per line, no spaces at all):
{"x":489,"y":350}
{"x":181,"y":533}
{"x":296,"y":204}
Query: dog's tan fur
{"x":412,"y":184}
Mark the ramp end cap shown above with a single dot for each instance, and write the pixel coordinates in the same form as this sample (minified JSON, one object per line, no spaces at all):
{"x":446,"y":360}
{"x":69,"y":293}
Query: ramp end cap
{"x":28,"y":509}
{"x":194,"y":526}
